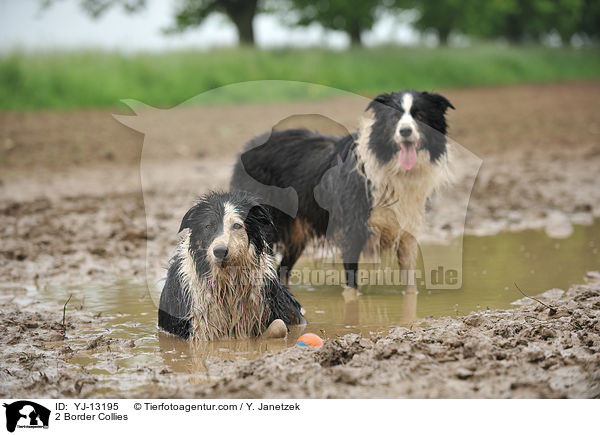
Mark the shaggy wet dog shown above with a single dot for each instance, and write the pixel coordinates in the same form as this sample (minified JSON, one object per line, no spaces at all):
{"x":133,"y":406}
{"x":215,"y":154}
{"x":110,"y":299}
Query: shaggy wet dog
{"x":222,"y":281}
{"x":373,"y":182}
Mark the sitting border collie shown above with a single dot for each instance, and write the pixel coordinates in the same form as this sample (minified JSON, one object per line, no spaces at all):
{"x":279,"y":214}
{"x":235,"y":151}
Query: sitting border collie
{"x":374,"y":182}
{"x":222,"y":281}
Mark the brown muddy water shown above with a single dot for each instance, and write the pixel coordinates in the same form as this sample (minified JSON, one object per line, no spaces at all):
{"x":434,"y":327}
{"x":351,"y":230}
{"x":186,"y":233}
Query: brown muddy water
{"x":491,"y":265}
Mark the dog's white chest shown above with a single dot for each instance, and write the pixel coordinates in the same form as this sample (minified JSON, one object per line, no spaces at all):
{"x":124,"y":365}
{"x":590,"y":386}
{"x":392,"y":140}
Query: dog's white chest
{"x":399,"y":203}
{"x":390,"y":222}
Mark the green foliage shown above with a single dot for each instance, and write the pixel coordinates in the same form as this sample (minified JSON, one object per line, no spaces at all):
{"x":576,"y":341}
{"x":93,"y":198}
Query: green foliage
{"x":191,"y":13}
{"x":101,"y":79}
{"x":515,"y":20}
{"x":589,"y":18}
{"x":442,"y":16}
{"x":352,"y":17}
{"x":520,"y":20}
{"x":187,"y":14}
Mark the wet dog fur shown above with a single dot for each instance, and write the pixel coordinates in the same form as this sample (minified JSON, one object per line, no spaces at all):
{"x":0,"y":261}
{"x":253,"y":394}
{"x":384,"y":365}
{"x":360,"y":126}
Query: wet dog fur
{"x":222,"y":281}
{"x":371,"y":183}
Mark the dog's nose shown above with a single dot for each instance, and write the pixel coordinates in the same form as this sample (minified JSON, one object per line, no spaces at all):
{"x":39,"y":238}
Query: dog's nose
{"x":220,"y":252}
{"x":405,"y":131}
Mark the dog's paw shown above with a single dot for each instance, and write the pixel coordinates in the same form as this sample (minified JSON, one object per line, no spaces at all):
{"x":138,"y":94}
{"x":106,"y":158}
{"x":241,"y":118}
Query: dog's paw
{"x":276,"y":329}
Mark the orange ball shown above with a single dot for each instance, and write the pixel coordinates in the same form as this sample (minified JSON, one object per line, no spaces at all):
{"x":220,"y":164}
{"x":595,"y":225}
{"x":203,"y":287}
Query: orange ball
{"x":309,"y":339}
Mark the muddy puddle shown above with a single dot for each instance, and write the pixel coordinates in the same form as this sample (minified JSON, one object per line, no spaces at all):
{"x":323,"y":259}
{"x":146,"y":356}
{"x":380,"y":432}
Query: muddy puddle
{"x":491,"y":265}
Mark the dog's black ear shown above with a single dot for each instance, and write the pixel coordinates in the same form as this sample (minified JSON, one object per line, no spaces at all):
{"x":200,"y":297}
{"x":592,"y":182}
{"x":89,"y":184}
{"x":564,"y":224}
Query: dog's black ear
{"x":258,"y":214}
{"x":440,"y":100}
{"x":260,"y":227}
{"x":386,"y":99}
{"x":186,"y":222}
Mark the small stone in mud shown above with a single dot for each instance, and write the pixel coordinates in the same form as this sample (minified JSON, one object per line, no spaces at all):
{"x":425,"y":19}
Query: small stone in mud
{"x":55,"y":337}
{"x":592,"y":276}
{"x":98,"y":342}
{"x":13,"y":340}
{"x":547,"y":333}
{"x":558,"y":225}
{"x":534,"y":355}
{"x":463,"y":373}
{"x":582,"y":207}
{"x":65,"y":350}
{"x":472,"y":320}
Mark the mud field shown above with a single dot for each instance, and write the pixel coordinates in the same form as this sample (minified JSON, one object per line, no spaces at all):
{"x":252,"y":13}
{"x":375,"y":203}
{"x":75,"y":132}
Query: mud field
{"x":72,"y":212}
{"x":534,"y":351}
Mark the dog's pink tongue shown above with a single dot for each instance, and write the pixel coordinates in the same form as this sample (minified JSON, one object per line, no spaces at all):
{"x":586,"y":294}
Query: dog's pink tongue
{"x":408,"y":157}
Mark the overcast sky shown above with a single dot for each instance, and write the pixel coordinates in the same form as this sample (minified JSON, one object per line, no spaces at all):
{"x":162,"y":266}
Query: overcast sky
{"x":65,"y":26}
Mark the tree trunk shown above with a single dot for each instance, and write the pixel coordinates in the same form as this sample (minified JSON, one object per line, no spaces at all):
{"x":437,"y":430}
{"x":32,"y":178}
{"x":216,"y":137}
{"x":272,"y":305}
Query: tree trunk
{"x":443,"y":35}
{"x":245,"y":30}
{"x":514,"y":30}
{"x":355,"y":39}
{"x":242,"y":13}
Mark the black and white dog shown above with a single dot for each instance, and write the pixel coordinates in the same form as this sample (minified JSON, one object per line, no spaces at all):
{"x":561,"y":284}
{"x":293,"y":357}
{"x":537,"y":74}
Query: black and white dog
{"x":222,"y":281}
{"x":373,"y":182}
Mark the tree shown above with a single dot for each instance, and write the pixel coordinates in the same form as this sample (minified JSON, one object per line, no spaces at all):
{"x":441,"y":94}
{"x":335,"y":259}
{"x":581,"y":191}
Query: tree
{"x":443,"y":17}
{"x":191,"y":13}
{"x":188,"y":13}
{"x":350,"y":16}
{"x":523,"y":20}
{"x":589,"y":19}
{"x":516,"y":20}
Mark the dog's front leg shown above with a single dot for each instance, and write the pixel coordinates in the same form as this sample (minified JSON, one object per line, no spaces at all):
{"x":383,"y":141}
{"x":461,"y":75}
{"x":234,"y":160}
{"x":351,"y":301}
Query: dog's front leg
{"x":353,"y":242}
{"x":276,"y":329}
{"x":408,"y":253}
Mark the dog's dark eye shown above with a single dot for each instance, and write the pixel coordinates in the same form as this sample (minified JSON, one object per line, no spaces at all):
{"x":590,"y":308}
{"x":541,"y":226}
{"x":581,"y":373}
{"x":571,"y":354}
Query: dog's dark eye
{"x":420,"y":116}
{"x":209,"y":226}
{"x":236,"y":226}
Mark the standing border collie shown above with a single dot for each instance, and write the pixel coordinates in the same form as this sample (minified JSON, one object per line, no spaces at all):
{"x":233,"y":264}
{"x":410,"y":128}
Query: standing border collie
{"x":375,"y":181}
{"x":222,"y":281}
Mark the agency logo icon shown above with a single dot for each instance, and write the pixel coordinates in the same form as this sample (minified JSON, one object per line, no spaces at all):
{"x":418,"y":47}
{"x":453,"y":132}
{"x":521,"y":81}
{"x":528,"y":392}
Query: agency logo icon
{"x":442,"y":262}
{"x":26,"y":414}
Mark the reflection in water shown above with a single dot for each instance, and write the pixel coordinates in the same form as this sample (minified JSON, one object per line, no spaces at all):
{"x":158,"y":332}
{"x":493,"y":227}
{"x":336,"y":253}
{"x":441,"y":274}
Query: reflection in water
{"x":184,"y":356}
{"x":490,"y":266}
{"x":409,"y":307}
{"x":350,"y":296}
